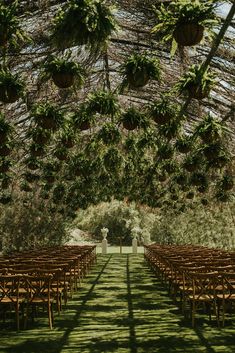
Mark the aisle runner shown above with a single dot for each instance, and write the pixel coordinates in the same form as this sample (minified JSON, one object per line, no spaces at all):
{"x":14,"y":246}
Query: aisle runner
{"x":120,"y":308}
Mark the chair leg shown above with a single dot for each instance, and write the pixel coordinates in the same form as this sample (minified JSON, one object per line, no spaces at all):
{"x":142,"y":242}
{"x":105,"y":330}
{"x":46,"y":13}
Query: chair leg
{"x":50,"y":315}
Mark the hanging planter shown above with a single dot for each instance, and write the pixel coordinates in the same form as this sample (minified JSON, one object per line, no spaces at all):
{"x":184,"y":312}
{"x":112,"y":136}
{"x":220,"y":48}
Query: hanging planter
{"x":24,"y":186}
{"x":188,"y":34}
{"x":4,"y":165}
{"x":162,"y":111}
{"x":211,"y":130}
{"x":5,"y":150}
{"x":184,"y":145}
{"x":133,"y":119}
{"x":196,"y":82}
{"x":192,"y":163}
{"x":36,"y":150}
{"x":40,"y":135}
{"x":109,"y":134}
{"x":138,"y":69}
{"x":32,"y":163}
{"x":47,"y":116}
{"x":11,"y":87}
{"x":64,"y":72}
{"x":185,"y":21}
{"x":6,"y":182}
{"x":85,"y":22}
{"x":165,"y":152}
{"x":5,"y":199}
{"x":190,"y":195}
{"x":82,"y":120}
{"x":198,"y":179}
{"x":10,"y":25}
{"x":227,"y":182}
{"x":170,"y":130}
{"x":5,"y":129}
{"x":102,"y":102}
{"x":61,"y":153}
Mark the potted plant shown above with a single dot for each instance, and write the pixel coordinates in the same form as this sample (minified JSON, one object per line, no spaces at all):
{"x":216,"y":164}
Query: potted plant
{"x":109,"y":134}
{"x":63,"y":72}
{"x":24,"y":186}
{"x":36,"y":150}
{"x":181,"y":179}
{"x":216,"y":154}
{"x":222,"y":196}
{"x":61,"y":153}
{"x":39,"y":135}
{"x":5,"y":129}
{"x":102,"y":102}
{"x":82,"y":120}
{"x":184,"y":144}
{"x":210,"y":129}
{"x":32,"y":163}
{"x":138,"y":69}
{"x":11,"y":86}
{"x":185,"y":21}
{"x":190,"y":195}
{"x":192,"y":162}
{"x":170,"y":130}
{"x":170,"y":167}
{"x":112,"y":159}
{"x":6,"y":182}
{"x":30,"y":177}
{"x":5,"y":198}
{"x":83,"y":22}
{"x":162,"y":111}
{"x":4,"y":165}
{"x":5,"y":150}
{"x":227,"y":182}
{"x":66,"y":137}
{"x":198,"y":179}
{"x":58,"y":193}
{"x":47,"y":116}
{"x":196,"y":82}
{"x":11,"y":32}
{"x":133,"y":119}
{"x":165,"y":151}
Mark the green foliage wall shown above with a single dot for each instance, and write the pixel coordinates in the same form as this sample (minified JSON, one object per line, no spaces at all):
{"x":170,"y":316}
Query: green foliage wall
{"x":27,"y":226}
{"x":120,"y":218}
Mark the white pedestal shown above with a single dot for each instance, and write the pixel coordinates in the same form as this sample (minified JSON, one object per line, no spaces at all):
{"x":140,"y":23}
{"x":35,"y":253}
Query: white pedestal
{"x":134,"y":246}
{"x":104,"y":246}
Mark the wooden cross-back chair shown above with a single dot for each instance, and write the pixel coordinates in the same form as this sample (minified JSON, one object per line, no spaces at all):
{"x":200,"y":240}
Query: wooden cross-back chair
{"x":10,"y":295}
{"x":39,"y":293}
{"x":227,"y":295}
{"x":200,"y":289}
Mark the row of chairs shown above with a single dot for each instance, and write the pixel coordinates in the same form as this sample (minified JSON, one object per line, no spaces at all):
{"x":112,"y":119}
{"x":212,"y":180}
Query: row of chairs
{"x":197,"y":275}
{"x":40,"y":278}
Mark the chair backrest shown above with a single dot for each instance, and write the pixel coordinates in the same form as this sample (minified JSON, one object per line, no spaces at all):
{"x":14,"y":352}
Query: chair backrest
{"x":38,"y":287}
{"x":9,"y":288}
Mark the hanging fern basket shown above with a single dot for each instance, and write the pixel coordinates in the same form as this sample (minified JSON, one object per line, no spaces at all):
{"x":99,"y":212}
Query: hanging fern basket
{"x":161,"y":119}
{"x":197,"y":92}
{"x":129,"y":125}
{"x":138,"y":79}
{"x":188,"y":34}
{"x":63,"y":80}
{"x":9,"y":94}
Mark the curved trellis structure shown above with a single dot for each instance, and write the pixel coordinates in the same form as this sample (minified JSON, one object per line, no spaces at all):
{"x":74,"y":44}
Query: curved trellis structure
{"x":91,"y":153}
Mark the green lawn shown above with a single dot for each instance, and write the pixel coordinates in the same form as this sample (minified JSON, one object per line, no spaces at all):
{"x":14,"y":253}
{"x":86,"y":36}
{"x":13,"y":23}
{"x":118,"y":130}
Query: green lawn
{"x":121,"y":308}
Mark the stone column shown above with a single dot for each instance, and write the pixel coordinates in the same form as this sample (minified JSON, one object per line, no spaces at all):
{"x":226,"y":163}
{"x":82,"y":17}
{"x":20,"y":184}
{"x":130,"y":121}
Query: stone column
{"x":104,"y":232}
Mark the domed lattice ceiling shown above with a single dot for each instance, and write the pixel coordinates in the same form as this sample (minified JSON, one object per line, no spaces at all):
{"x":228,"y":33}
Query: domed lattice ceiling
{"x":135,"y":21}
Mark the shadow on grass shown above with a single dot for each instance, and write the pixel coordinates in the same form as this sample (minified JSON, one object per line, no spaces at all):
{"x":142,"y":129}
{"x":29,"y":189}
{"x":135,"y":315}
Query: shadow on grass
{"x":133,"y":314}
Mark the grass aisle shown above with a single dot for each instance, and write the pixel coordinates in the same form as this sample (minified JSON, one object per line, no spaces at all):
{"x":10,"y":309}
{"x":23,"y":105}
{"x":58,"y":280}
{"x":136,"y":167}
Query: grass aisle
{"x":120,"y":308}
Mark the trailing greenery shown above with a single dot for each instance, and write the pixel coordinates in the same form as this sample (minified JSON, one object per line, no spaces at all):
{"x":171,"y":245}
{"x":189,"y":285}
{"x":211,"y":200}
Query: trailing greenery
{"x":138,"y":69}
{"x":196,"y":82}
{"x":11,"y":86}
{"x":133,"y":118}
{"x":64,"y":68}
{"x":171,"y":17}
{"x":27,"y":225}
{"x":83,"y":22}
{"x":47,"y":116}
{"x":11,"y":33}
{"x":102,"y":102}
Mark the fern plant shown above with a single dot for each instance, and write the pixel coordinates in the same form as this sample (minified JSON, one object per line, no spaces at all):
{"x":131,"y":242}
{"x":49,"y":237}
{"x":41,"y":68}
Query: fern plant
{"x":83,"y":22}
{"x":196,"y":82}
{"x":138,"y":69}
{"x":184,"y":21}
{"x":63,"y":72}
